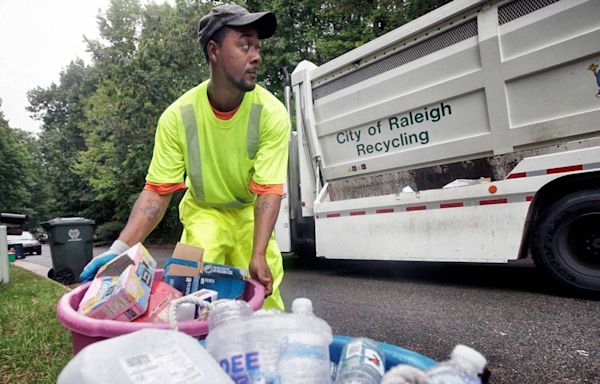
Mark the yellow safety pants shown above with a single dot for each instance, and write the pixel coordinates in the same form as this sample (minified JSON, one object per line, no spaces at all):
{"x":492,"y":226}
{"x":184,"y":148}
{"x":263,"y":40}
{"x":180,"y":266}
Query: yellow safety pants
{"x":227,"y":235}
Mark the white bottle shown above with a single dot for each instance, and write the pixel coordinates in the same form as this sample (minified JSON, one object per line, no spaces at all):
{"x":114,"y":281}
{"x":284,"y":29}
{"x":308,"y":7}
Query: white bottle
{"x":464,"y":367}
{"x":149,"y":356}
{"x":304,"y":355}
{"x":361,"y":362}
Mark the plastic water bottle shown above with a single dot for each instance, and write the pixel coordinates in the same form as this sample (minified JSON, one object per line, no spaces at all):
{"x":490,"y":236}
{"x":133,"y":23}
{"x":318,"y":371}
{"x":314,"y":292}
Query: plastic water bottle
{"x":146,"y":356}
{"x":464,"y":367}
{"x":304,"y":355}
{"x":405,"y":374}
{"x":226,"y":341}
{"x":253,"y":348}
{"x":361,"y":362}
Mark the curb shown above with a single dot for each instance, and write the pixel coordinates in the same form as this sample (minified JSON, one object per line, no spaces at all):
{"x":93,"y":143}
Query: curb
{"x":41,"y":271}
{"x":35,"y":268}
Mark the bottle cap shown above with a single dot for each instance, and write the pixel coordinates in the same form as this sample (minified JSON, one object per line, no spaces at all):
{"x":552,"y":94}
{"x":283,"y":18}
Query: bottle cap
{"x":474,"y":361}
{"x":302,"y":306}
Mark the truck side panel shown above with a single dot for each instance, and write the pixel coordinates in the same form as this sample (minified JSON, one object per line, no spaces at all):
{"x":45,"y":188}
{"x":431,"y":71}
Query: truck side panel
{"x":484,"y":84}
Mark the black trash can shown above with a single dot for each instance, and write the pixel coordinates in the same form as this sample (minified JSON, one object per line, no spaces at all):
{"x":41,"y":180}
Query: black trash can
{"x":71,"y":247}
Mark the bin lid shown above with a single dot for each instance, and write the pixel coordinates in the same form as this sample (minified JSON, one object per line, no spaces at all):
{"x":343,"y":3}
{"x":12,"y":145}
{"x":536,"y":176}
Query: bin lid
{"x":67,"y":221}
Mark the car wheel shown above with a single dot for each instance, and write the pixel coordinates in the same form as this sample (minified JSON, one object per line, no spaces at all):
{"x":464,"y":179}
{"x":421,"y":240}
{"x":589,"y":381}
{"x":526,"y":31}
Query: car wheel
{"x":38,"y":251}
{"x":566,"y":244}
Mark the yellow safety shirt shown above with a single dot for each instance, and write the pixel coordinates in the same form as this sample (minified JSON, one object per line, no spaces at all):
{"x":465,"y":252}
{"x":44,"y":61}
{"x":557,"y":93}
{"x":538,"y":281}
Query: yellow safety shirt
{"x":219,"y":158}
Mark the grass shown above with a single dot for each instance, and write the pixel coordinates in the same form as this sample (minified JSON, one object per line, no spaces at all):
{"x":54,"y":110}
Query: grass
{"x":34,"y":346}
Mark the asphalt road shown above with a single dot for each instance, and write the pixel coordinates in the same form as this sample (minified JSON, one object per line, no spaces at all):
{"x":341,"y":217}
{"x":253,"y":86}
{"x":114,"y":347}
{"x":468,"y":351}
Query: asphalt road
{"x":530,"y":332}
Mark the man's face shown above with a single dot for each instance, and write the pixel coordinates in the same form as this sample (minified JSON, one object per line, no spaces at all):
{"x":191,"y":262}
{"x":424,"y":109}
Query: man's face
{"x":239,"y":57}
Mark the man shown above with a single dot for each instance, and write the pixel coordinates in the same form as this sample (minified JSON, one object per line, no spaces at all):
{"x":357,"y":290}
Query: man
{"x":229,"y":137}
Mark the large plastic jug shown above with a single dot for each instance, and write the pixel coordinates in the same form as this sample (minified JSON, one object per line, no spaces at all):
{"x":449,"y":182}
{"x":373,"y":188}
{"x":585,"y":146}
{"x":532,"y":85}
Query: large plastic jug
{"x":148,"y":356}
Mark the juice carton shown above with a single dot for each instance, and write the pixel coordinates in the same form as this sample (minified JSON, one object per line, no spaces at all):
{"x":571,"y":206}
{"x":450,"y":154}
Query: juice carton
{"x":121,"y":288}
{"x":161,"y":296}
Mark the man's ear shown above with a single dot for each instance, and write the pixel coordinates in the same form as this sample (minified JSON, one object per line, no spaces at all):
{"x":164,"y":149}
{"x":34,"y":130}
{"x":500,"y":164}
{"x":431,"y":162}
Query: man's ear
{"x":212,"y":50}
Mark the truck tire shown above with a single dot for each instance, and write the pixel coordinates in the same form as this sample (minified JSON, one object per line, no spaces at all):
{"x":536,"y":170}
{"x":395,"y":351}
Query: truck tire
{"x":566,"y":243}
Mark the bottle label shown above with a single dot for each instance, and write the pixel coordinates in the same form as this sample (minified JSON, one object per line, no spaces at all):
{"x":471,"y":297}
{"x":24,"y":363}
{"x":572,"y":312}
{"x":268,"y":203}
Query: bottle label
{"x":166,"y":364}
{"x":299,"y":350}
{"x":238,"y":366}
{"x":362,"y":355}
{"x":372,"y":359}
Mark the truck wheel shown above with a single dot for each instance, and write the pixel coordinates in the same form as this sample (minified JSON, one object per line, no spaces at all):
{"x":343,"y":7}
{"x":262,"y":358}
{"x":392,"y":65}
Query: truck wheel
{"x":566,"y":244}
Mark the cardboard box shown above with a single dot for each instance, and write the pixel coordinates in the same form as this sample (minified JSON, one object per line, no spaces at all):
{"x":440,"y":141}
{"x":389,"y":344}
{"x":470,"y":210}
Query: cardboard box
{"x":121,"y":289}
{"x":184,"y":267}
{"x":161,"y":296}
{"x":228,"y":281}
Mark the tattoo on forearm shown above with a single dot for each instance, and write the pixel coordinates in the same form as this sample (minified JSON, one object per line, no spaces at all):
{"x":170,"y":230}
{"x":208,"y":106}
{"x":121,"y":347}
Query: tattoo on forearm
{"x":151,"y":210}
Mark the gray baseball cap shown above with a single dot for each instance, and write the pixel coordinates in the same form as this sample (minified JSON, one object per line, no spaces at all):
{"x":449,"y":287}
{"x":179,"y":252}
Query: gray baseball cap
{"x":233,"y":15}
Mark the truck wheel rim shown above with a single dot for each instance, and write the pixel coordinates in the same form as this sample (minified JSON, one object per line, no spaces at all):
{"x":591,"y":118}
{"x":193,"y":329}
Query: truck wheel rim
{"x":578,"y":243}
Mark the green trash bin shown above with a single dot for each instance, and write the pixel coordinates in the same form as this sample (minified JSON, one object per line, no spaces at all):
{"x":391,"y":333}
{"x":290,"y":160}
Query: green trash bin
{"x":71,"y":247}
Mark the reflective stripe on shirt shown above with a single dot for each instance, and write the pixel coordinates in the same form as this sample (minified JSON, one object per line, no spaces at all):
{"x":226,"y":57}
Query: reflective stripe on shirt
{"x":188,"y":117}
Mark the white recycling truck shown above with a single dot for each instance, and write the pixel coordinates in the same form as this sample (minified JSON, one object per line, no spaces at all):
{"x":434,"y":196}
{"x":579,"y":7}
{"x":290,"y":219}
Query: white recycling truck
{"x":471,"y":134}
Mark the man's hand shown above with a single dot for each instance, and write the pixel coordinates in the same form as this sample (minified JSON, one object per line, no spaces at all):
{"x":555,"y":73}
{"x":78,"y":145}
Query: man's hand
{"x":265,"y":215}
{"x":89,"y":272}
{"x":259,"y":270}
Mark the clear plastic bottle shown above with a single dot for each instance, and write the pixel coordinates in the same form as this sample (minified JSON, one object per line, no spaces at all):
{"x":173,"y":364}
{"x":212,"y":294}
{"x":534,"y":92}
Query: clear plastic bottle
{"x":464,"y":367}
{"x":405,"y":374}
{"x":361,"y":362}
{"x":304,"y":355}
{"x":249,"y":347}
{"x":226,"y":341}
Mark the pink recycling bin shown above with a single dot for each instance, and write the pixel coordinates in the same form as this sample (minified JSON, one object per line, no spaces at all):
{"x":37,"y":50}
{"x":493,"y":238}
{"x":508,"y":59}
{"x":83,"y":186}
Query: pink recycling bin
{"x":85,"y":330}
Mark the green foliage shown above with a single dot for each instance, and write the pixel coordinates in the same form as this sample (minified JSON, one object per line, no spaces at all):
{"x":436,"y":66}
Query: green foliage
{"x":22,"y":175}
{"x":15,"y":169}
{"x":98,"y":122}
{"x":61,"y":111}
{"x":109,"y":231}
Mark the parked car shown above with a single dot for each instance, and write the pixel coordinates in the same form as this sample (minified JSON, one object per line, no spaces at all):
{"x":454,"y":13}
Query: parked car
{"x":42,"y":238}
{"x":30,"y":244}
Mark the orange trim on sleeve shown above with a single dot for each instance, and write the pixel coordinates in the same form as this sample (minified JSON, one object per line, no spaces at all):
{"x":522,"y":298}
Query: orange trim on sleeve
{"x":266,"y":189}
{"x":224,"y":115}
{"x":164,"y":188}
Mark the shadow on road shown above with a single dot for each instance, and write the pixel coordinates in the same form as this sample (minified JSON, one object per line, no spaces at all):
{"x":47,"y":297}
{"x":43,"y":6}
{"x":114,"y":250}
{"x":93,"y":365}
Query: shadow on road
{"x":520,"y":275}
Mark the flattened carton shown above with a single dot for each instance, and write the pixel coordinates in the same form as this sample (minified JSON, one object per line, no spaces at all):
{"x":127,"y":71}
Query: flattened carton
{"x":184,"y":267}
{"x":121,"y":289}
{"x":158,"y":307}
{"x":228,"y":281}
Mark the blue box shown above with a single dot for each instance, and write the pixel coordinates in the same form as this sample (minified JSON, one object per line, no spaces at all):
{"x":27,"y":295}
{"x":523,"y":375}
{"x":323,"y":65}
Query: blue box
{"x":182,"y":270}
{"x":184,"y":284}
{"x":228,"y":281}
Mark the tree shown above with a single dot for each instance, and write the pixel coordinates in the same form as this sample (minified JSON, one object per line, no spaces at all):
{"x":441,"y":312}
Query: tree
{"x":99,"y":121}
{"x":22,"y":175}
{"x":61,"y":110}
{"x":15,"y":164}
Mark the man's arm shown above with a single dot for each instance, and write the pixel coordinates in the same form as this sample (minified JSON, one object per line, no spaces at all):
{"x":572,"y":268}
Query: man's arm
{"x":266,"y":210}
{"x":145,"y":215}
